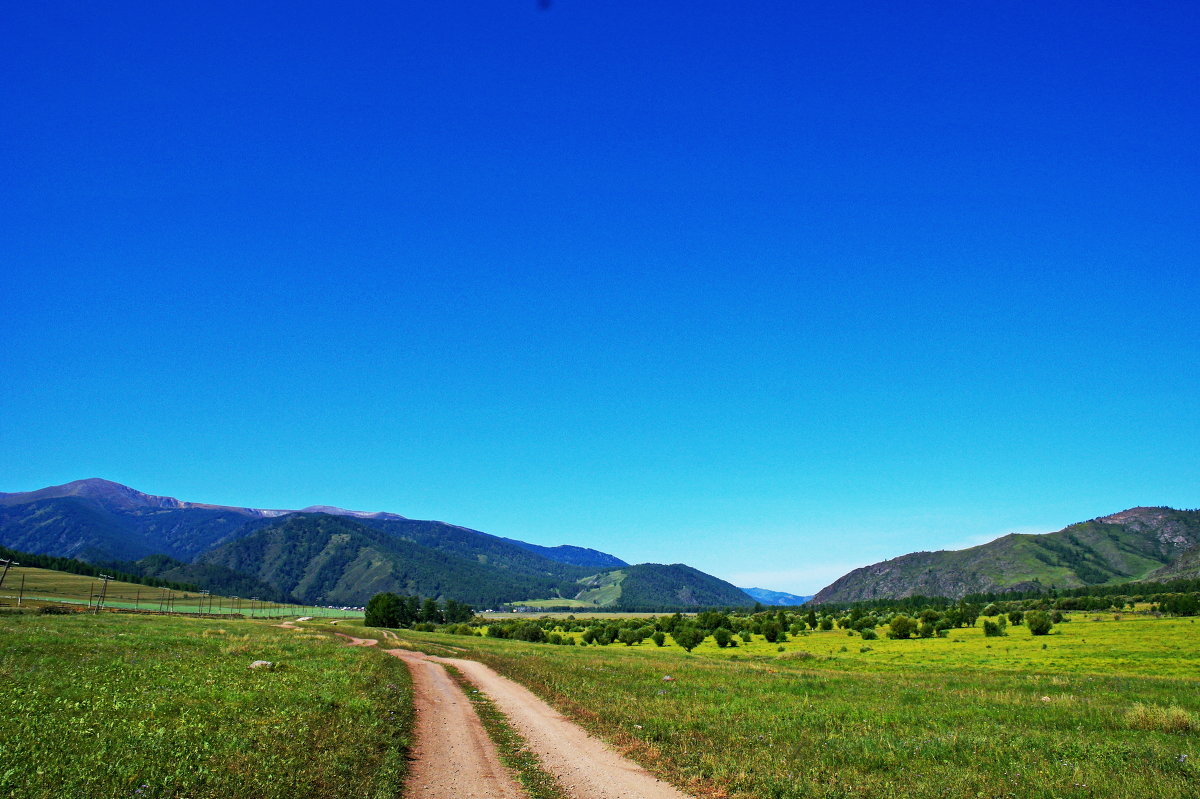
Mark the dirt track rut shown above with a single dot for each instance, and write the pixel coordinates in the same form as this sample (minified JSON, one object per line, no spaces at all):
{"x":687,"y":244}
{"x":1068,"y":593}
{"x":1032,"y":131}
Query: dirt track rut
{"x":585,"y":766}
{"x":453,"y":756}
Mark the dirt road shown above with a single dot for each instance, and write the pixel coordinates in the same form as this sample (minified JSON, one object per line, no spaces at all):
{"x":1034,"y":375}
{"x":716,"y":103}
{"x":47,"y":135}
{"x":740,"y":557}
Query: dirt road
{"x":586,"y":767}
{"x":453,"y":757}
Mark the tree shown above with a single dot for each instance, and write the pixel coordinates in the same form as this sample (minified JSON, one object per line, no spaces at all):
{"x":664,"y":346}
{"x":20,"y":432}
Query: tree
{"x":457,"y":612}
{"x":383,"y":610}
{"x":1015,"y":617}
{"x":529,"y":631}
{"x":689,"y":638}
{"x":430,"y":612}
{"x":659,"y":638}
{"x":629,"y":637}
{"x":901,"y":626}
{"x":771,"y":632}
{"x":722,"y":636}
{"x":1038,"y":622}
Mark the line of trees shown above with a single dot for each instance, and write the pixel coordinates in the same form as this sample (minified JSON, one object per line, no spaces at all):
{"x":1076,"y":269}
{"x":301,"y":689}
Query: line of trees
{"x":397,"y":610}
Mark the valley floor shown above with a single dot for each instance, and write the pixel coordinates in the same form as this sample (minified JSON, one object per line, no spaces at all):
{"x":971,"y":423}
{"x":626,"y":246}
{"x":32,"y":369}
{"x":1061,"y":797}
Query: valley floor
{"x":121,"y":705}
{"x":1102,"y":708}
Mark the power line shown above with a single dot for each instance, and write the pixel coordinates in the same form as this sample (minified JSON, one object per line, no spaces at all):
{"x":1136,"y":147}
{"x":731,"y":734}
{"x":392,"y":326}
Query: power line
{"x":103,"y":592}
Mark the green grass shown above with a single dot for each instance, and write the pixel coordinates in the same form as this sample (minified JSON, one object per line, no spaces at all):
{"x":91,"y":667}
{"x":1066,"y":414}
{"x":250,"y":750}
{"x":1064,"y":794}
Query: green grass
{"x":1107,"y":709}
{"x":136,"y":706}
{"x":604,"y":589}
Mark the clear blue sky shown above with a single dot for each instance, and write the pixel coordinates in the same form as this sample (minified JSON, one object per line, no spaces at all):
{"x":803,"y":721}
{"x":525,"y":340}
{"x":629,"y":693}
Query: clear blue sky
{"x":775,"y":289}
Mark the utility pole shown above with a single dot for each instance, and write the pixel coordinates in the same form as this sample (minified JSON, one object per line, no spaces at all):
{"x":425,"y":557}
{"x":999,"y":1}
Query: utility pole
{"x":7,"y":564}
{"x":103,"y":591}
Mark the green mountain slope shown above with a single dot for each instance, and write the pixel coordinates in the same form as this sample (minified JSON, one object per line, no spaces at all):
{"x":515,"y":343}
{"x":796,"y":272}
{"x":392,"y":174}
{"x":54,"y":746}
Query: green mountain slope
{"x":654,"y":586}
{"x":1136,"y":544}
{"x":333,"y":560}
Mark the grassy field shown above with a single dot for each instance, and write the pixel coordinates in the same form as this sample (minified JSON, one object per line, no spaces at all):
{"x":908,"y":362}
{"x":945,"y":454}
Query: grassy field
{"x":32,"y":587}
{"x":122,"y":705}
{"x":555,"y":603}
{"x":1108,"y":709}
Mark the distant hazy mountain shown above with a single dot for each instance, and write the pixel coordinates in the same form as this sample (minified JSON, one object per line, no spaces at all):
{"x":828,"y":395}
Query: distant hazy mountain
{"x":322,"y":554}
{"x":1136,"y":544}
{"x":119,"y":497}
{"x":768,"y":597}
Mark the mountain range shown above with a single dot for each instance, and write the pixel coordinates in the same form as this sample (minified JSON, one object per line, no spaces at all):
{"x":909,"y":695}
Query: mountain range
{"x":333,"y":556}
{"x":766,"y":596}
{"x":1137,"y":544}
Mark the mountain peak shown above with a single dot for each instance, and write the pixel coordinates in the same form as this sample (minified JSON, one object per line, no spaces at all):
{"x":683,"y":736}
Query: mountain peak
{"x":96,"y":488}
{"x":358,"y":514}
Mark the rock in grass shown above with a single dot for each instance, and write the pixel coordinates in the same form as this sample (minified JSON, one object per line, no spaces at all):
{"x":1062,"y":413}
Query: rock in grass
{"x":261,"y":664}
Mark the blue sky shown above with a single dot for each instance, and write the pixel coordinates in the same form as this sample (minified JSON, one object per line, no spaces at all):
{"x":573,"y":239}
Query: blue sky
{"x":775,"y":289}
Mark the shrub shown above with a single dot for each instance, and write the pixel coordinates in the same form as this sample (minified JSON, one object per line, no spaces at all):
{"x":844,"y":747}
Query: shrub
{"x":869,"y":634}
{"x":722,"y":637}
{"x":529,"y":631}
{"x":1038,"y":622}
{"x":992,"y":629}
{"x":901,"y":627}
{"x":689,"y":638}
{"x":1016,"y":616}
{"x":659,"y":638}
{"x":629,"y":637}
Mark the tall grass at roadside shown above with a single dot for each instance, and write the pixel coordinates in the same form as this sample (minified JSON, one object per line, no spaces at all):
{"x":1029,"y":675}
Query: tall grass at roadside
{"x":134,"y":706}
